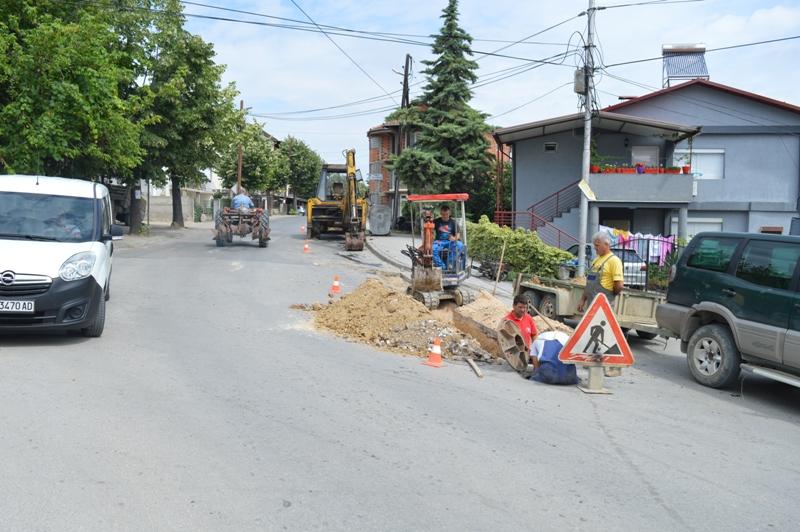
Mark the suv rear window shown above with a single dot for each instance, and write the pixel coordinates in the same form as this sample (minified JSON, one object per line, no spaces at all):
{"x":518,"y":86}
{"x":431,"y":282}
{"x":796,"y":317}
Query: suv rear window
{"x":713,"y":253}
{"x":769,"y":264}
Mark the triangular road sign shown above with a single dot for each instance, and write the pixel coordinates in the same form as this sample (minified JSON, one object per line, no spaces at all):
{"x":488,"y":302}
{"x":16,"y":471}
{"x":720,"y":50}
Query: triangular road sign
{"x":598,"y":333}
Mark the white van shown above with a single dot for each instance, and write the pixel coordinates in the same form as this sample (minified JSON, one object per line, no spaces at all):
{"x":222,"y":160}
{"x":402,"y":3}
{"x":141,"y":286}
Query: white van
{"x":55,"y":254}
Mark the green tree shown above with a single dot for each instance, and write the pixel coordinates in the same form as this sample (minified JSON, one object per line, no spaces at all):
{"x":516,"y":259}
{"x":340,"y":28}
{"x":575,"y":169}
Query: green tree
{"x":264,"y":168}
{"x":190,"y":108}
{"x":304,"y":167}
{"x":60,"y":108}
{"x":452,"y":150}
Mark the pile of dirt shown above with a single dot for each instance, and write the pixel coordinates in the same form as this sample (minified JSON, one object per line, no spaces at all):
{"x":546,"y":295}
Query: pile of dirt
{"x":380,"y":313}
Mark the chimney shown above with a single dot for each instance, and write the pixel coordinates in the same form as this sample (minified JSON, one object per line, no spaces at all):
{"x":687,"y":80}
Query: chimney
{"x":683,"y":62}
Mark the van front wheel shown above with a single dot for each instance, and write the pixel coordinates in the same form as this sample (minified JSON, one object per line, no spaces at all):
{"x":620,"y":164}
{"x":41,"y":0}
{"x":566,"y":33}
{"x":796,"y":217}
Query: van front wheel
{"x":95,"y":330}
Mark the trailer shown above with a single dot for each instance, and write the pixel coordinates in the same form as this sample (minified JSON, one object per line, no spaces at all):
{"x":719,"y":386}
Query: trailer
{"x":241,"y":222}
{"x":559,"y":299}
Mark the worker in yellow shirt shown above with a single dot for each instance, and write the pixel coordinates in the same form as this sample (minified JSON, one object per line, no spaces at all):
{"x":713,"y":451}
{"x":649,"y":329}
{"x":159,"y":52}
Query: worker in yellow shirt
{"x":606,"y":275}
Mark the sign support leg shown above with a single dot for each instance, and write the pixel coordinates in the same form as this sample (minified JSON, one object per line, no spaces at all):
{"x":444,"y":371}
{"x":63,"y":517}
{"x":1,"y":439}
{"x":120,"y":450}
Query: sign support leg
{"x":595,"y":383}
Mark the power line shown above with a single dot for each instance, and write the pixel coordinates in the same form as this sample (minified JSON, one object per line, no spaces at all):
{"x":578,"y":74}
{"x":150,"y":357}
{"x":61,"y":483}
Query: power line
{"x":492,"y":77}
{"x":532,"y":35}
{"x":358,"y":66}
{"x":365,"y":32}
{"x":652,"y":2}
{"x":548,"y":93}
{"x":659,"y":58}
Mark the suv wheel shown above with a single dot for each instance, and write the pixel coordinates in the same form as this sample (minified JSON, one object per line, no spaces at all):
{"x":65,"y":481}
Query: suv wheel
{"x":713,"y":357}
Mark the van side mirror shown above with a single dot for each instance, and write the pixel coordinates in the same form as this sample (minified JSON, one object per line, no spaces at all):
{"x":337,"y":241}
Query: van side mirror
{"x":116,"y":232}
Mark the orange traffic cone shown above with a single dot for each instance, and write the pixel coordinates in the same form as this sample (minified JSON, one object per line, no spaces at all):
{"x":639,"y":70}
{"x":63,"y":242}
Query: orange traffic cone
{"x":336,"y":287}
{"x":306,"y":249}
{"x":435,"y":354}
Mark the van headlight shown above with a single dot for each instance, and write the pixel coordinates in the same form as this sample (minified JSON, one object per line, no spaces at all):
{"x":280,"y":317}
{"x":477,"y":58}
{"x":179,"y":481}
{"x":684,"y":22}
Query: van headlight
{"x":78,"y":266}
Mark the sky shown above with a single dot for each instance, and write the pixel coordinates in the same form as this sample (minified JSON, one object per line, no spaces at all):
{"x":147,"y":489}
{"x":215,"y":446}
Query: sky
{"x":280,"y":70}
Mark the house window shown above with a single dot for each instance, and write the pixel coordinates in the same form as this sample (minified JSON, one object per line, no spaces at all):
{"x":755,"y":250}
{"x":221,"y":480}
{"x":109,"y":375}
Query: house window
{"x":375,"y":173}
{"x":412,"y":141}
{"x":551,"y":147}
{"x":706,"y":163}
{"x":646,"y":155}
{"x":374,"y":143}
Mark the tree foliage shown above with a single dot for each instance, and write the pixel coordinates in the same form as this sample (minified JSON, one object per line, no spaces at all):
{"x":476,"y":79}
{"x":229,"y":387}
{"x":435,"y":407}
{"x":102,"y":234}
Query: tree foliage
{"x":304,"y":167}
{"x":263,"y":167}
{"x":452,"y":150}
{"x":61,"y":111}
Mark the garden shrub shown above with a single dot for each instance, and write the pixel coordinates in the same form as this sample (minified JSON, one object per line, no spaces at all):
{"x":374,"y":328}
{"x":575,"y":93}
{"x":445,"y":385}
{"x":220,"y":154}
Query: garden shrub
{"x":525,"y":251}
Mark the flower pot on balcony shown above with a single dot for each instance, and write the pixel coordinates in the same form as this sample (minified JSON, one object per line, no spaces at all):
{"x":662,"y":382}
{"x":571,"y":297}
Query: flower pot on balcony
{"x":594,"y":168}
{"x":687,"y":169}
{"x":672,"y":170}
{"x":628,"y":170}
{"x":651,"y":170}
{"x":639,"y":169}
{"x":661,"y":170}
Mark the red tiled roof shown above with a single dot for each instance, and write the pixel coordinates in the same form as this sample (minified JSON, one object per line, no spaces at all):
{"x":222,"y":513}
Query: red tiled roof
{"x":712,"y":85}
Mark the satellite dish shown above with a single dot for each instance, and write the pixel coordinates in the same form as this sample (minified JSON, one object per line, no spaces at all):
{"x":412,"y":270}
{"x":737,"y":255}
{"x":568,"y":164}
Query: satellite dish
{"x":380,"y":220}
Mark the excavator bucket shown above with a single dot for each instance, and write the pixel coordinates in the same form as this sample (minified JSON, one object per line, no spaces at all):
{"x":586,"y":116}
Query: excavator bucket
{"x":426,"y":279}
{"x":354,"y":242}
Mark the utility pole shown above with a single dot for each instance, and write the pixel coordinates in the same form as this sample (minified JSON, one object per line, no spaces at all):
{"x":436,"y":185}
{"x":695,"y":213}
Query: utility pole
{"x":239,"y":163}
{"x":588,"y":73}
{"x":403,"y":138}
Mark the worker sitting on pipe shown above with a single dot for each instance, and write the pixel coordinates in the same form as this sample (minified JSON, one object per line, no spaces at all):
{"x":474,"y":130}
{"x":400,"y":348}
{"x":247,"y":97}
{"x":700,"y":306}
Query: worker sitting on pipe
{"x":447,"y":237}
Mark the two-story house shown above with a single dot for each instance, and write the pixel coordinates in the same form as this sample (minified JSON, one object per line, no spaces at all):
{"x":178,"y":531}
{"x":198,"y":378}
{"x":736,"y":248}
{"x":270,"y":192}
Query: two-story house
{"x":743,"y":151}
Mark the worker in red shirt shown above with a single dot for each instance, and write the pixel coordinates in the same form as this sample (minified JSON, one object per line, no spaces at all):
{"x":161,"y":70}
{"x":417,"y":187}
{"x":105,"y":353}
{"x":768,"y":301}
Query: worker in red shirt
{"x":519,"y":315}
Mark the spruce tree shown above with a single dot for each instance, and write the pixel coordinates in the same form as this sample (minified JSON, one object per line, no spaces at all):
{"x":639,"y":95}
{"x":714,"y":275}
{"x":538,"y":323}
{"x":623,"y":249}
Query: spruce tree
{"x":451,"y":153}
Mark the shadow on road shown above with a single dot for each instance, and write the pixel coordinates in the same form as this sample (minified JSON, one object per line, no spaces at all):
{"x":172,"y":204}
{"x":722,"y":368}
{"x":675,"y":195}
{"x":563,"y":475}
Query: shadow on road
{"x":42,"y":339}
{"x":769,"y":398}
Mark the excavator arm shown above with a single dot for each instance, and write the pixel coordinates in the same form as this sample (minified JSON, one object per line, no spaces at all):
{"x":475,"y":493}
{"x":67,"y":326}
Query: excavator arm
{"x":354,"y":220}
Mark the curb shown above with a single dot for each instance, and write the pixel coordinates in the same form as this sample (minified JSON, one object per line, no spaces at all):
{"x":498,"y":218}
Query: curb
{"x":386,"y":258}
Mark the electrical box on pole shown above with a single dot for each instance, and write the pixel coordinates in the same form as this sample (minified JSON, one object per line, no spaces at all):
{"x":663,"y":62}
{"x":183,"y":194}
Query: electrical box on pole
{"x":580,"y":81}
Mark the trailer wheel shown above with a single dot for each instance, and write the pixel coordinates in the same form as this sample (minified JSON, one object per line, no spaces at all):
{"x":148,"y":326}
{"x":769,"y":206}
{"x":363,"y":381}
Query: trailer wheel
{"x":547,"y":306}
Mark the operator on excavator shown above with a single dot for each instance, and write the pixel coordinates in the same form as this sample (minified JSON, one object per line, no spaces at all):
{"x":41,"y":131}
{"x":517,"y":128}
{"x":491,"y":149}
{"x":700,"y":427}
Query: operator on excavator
{"x":447,"y":237}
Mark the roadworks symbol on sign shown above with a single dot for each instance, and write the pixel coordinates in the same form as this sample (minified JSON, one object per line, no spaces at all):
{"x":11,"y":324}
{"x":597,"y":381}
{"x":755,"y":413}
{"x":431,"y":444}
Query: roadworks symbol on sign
{"x":598,"y":334}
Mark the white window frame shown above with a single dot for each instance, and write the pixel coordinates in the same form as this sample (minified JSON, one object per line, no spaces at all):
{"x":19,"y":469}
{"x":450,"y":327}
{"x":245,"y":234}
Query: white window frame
{"x":680,"y":157}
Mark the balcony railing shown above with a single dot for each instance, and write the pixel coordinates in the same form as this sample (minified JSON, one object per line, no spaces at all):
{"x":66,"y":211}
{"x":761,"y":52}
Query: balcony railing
{"x":549,"y":233}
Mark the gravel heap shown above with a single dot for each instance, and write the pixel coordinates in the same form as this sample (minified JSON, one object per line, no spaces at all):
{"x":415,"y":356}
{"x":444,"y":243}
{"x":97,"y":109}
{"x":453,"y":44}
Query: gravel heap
{"x":379,"y":313}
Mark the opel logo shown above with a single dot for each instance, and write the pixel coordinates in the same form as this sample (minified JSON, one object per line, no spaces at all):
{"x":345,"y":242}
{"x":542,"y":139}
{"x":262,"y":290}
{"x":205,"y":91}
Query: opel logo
{"x":7,"y":278}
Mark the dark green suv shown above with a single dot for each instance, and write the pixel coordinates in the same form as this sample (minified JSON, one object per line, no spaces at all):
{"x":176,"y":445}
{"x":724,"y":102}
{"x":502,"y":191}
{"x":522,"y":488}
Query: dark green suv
{"x":733,"y":301}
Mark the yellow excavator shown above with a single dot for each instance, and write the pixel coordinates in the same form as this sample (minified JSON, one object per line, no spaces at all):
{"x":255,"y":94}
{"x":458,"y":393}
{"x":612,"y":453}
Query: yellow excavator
{"x":337,"y":207}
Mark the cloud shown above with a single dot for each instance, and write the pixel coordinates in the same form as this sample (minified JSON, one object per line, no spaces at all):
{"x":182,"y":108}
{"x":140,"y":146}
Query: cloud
{"x":279,"y":70}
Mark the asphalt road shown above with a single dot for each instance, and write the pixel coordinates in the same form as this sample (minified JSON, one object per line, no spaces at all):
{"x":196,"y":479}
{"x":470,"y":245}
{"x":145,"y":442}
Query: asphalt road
{"x":209,"y":405}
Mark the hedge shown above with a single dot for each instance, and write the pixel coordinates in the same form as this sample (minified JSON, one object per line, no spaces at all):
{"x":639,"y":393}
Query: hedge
{"x":525,"y":251}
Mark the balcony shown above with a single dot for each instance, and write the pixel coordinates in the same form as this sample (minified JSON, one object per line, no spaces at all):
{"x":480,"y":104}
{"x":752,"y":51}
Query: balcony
{"x":642,"y":188}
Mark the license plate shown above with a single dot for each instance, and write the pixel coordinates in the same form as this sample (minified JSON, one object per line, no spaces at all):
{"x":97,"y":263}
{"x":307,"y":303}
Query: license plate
{"x":16,"y":306}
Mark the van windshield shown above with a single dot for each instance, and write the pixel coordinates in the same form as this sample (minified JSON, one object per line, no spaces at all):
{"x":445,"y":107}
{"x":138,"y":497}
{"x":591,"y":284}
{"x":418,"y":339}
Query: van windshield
{"x":44,"y":217}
